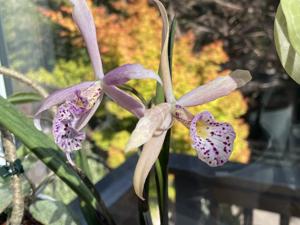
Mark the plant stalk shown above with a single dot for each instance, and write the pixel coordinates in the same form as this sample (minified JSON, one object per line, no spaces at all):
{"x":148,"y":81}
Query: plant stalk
{"x":16,"y":185}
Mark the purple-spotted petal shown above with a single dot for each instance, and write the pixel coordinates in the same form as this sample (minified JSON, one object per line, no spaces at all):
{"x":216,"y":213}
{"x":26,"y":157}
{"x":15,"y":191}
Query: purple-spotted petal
{"x":128,"y":72}
{"x":85,"y":22}
{"x":212,"y":140}
{"x":125,"y":100}
{"x":65,"y":135}
{"x":57,"y":98}
{"x":215,"y":89}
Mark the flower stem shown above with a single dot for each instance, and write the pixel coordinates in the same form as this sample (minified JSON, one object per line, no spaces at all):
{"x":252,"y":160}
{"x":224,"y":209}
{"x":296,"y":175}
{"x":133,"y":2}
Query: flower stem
{"x":22,"y":78}
{"x":16,"y":185}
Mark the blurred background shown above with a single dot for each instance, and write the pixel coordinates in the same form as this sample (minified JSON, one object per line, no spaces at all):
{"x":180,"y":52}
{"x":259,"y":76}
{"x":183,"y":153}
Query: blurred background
{"x":40,"y":40}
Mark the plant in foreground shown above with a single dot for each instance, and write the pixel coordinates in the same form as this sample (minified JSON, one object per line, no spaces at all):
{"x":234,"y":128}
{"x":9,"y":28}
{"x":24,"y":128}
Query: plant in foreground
{"x":79,"y":102}
{"x":212,"y":140}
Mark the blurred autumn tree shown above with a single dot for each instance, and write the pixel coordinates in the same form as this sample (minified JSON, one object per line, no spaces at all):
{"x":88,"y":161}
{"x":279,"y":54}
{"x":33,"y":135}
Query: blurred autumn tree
{"x":130,"y":32}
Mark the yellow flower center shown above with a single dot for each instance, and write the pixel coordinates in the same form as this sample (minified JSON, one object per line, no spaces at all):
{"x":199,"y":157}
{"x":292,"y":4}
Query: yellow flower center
{"x":201,"y":129}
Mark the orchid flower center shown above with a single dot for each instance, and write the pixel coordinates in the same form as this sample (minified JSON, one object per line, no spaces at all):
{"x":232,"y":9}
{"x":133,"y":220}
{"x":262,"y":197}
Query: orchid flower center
{"x":202,"y":129}
{"x":212,"y":140}
{"x":70,"y":113}
{"x":182,"y":115}
{"x":92,"y":93}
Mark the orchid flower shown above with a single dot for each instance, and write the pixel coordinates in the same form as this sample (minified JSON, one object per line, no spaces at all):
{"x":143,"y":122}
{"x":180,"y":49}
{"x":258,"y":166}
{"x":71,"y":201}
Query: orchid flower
{"x":78,"y":103}
{"x":212,"y":140}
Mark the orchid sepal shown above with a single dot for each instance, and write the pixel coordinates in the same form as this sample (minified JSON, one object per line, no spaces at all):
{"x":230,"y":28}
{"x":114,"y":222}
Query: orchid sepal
{"x":127,"y":72}
{"x":214,"y":89}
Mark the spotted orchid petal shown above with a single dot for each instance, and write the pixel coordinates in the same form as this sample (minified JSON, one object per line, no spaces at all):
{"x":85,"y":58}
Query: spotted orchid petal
{"x":57,"y":98}
{"x":73,"y":115}
{"x":85,"y":22}
{"x":147,"y":125}
{"x":66,"y":136}
{"x":125,"y":100}
{"x":128,"y":72}
{"x":164,"y":59}
{"x":212,"y":140}
{"x":148,"y":157}
{"x":214,"y":89}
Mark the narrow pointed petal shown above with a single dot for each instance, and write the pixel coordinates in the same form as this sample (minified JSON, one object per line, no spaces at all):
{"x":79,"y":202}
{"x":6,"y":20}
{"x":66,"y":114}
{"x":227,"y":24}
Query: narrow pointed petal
{"x":125,"y":100}
{"x":58,"y":97}
{"x":85,"y":22}
{"x":148,"y":125}
{"x":212,"y":140}
{"x":164,"y":59}
{"x":128,"y":72}
{"x":82,"y":122}
{"x":148,"y":157}
{"x":214,"y":89}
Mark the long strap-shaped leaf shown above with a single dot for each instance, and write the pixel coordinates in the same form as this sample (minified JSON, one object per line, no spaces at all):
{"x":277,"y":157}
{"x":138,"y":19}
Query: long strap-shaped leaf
{"x":46,"y":150}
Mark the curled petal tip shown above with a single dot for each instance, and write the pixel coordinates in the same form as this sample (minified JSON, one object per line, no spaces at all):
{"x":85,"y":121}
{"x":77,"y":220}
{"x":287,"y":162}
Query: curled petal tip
{"x":241,"y":77}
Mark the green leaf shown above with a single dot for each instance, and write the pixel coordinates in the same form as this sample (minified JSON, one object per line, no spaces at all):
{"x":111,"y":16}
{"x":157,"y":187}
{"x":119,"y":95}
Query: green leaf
{"x":171,"y":42}
{"x":26,"y":97}
{"x":47,"y":151}
{"x":52,"y":212}
{"x":288,"y":56}
{"x":291,"y":11}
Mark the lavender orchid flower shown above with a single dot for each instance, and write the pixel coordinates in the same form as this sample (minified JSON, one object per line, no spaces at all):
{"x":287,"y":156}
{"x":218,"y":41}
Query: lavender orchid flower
{"x":78,"y":103}
{"x":212,"y":140}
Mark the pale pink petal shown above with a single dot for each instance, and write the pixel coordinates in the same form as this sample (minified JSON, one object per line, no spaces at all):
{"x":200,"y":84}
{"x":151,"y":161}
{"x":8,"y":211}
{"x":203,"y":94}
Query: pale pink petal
{"x":128,"y":72}
{"x":125,"y":100}
{"x":147,"y":125}
{"x":164,"y":59}
{"x":57,"y":98}
{"x":215,"y":89}
{"x":85,"y":22}
{"x":87,"y":116}
{"x":212,"y":140}
{"x":148,"y":157}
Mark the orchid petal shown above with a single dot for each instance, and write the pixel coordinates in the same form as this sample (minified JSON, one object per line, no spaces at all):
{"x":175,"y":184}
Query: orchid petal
{"x":127,"y":72}
{"x":58,"y":97}
{"x":65,"y":135}
{"x":125,"y":100}
{"x":215,"y":89}
{"x":212,"y":140}
{"x":85,"y":22}
{"x":164,"y":59}
{"x":148,"y":157}
{"x":82,"y":122}
{"x":147,"y":125}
